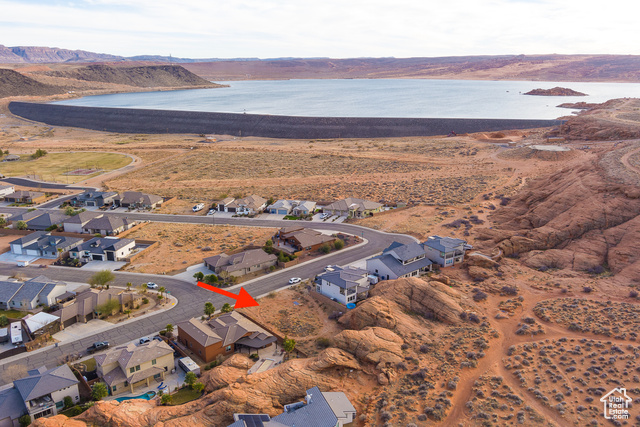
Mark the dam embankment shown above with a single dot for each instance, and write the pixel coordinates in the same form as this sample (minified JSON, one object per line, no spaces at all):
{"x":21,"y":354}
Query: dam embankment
{"x":127,"y":120}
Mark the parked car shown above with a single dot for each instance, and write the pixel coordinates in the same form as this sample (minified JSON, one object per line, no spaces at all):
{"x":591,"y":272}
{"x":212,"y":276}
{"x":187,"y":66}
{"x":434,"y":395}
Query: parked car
{"x":211,"y":212}
{"x":144,"y":340}
{"x":152,"y":285}
{"x":97,"y":346}
{"x":294,"y":280}
{"x":198,"y":207}
{"x":157,"y":338}
{"x":113,"y":207}
{"x":325,"y":216}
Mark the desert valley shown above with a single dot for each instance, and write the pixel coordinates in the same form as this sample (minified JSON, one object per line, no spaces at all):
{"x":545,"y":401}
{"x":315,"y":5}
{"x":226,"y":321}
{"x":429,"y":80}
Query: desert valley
{"x":533,"y":326}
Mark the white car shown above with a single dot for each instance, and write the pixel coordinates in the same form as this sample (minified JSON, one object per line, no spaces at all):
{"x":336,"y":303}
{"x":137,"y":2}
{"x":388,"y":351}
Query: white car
{"x":198,"y":207}
{"x":152,"y":285}
{"x":324,"y":216}
{"x":294,"y":280}
{"x":211,"y":212}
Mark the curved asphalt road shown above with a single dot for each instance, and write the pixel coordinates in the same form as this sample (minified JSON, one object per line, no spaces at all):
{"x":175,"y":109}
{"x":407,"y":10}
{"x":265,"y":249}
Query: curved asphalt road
{"x":191,"y":298}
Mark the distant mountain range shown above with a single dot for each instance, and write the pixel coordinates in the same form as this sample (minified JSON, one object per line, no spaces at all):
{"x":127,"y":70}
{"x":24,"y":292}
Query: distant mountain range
{"x":40,"y":54}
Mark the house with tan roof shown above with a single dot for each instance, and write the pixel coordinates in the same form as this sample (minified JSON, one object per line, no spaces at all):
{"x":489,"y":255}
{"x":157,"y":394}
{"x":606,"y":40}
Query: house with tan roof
{"x":82,"y":308}
{"x":126,"y":367}
{"x":250,"y":261}
{"x":25,"y":197}
{"x":246,"y":206}
{"x":352,"y":207}
{"x":223,"y":335}
{"x":138,"y":200}
{"x":295,"y":239}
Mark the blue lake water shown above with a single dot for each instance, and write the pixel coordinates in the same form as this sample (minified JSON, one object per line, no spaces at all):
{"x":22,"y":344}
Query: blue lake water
{"x":372,"y":98}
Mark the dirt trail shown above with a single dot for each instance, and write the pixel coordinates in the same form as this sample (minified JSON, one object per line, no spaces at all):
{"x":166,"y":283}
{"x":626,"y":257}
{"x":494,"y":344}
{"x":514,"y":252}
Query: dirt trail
{"x":625,"y":161}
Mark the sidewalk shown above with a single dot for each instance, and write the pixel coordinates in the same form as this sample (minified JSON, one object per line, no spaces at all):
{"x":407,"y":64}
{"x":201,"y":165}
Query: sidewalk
{"x":90,"y":330}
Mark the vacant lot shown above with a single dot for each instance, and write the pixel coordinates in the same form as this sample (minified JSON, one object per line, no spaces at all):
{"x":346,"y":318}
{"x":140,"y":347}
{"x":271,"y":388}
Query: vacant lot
{"x":182,"y":245}
{"x":54,"y":167}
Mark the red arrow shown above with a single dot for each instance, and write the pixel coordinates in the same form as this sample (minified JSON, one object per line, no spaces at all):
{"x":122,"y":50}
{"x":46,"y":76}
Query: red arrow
{"x":243,"y":299}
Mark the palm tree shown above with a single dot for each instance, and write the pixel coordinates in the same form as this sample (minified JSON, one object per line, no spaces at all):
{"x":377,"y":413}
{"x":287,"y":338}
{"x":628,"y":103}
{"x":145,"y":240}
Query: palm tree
{"x":161,"y":289}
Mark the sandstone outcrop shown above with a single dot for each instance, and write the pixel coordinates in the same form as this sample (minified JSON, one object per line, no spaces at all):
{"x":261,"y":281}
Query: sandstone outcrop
{"x":379,"y":346}
{"x":263,"y":392}
{"x":556,"y":91}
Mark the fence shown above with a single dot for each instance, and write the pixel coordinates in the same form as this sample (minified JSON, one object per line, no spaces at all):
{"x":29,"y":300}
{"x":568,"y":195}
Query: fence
{"x":322,"y":299}
{"x":279,"y":337}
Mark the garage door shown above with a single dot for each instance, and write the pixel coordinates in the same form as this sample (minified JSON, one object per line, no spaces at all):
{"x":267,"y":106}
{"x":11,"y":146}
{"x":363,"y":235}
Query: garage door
{"x":282,"y":212}
{"x":97,"y":257}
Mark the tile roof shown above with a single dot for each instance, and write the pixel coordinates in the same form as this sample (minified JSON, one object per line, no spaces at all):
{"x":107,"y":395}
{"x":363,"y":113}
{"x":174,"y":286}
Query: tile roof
{"x":252,"y":202}
{"x":240,"y":261}
{"x":308,"y":237}
{"x":199,"y":331}
{"x":25,"y":216}
{"x":44,"y":381}
{"x":228,"y":328}
{"x":306,"y":205}
{"x":82,"y":217}
{"x":108,"y":223}
{"x":135,"y":197}
{"x":25,"y":194}
{"x":281,"y":204}
{"x":132,"y":355}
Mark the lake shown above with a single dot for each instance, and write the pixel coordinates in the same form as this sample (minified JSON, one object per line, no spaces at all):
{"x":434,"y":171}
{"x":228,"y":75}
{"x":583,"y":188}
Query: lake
{"x":371,"y":98}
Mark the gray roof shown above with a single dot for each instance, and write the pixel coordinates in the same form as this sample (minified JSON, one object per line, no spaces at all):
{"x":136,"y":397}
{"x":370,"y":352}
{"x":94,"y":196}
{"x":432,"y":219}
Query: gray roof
{"x":23,"y":194}
{"x":82,"y":217}
{"x":8,"y":290}
{"x":316,"y":413}
{"x":444,"y":244}
{"x":105,"y":223}
{"x":281,"y":204}
{"x":306,"y":205}
{"x":26,"y":216}
{"x":29,"y":291}
{"x":344,"y":277}
{"x":94,"y":195}
{"x":44,"y":241}
{"x":11,"y":404}
{"x":46,"y":220}
{"x":41,"y":382}
{"x":399,"y":268}
{"x":133,"y":197}
{"x":99,"y":245}
{"x":405,"y":252}
{"x":239,"y":261}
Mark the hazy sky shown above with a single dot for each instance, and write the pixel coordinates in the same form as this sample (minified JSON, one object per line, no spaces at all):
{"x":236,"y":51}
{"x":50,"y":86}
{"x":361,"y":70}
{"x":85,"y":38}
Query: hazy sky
{"x":328,"y":28}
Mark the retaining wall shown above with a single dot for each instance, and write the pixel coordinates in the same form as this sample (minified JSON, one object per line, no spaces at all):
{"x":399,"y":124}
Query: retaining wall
{"x":125,"y":120}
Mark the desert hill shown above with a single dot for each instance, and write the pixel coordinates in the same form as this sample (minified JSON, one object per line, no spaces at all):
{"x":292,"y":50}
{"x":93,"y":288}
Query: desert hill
{"x":13,"y":83}
{"x":144,"y":76}
{"x":39,"y":54}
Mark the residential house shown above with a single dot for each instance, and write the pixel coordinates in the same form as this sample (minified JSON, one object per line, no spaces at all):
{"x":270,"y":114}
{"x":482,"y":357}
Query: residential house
{"x":352,"y":207}
{"x":93,"y":198}
{"x":28,"y":295}
{"x":319,"y":409}
{"x":280,"y":207}
{"x":400,"y":260}
{"x":108,"y":225}
{"x":343,"y":284}
{"x":84,"y":307}
{"x":297,"y":238}
{"x":103,"y":249}
{"x":250,"y":261}
{"x":42,"y":393}
{"x":25,"y":216}
{"x":138,"y":200}
{"x":46,"y":221}
{"x":446,"y":251}
{"x":304,"y":207}
{"x":76,"y":223}
{"x":42,"y":244}
{"x":5,"y":190}
{"x":12,"y":407}
{"x":246,"y":206}
{"x":126,"y":367}
{"x":25,"y":197}
{"x":222,"y":335}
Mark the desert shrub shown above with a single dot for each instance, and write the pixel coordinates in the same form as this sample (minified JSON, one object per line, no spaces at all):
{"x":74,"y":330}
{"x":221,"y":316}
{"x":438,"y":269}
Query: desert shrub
{"x":473,"y":318}
{"x":504,"y":201}
{"x":323,"y":342}
{"x":587,"y":289}
{"x":598,"y":269}
{"x":76,"y":410}
{"x":514,"y":255}
{"x":424,"y":348}
{"x":463,"y":315}
{"x":338,"y":244}
{"x":479,"y":295}
{"x":385,"y":416}
{"x":509,"y":290}
{"x":633,"y":294}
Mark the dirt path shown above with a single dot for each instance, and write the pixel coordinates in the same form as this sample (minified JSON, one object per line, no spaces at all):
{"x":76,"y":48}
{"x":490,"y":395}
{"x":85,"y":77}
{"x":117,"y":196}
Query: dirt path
{"x":625,"y":161}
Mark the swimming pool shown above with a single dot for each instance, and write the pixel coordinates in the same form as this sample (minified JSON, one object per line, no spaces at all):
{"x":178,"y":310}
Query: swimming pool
{"x":147,"y":396}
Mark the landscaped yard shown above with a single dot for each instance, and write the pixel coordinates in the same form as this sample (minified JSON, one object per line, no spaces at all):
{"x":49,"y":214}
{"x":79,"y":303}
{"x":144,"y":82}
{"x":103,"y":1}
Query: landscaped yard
{"x":13,"y":314}
{"x":184,"y":395}
{"x":54,"y":167}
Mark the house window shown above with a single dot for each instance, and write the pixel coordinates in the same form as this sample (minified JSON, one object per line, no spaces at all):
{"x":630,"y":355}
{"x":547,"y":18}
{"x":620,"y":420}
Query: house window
{"x":132,"y":370}
{"x":114,"y":388}
{"x":153,"y":362}
{"x":59,"y":405}
{"x":137,"y":368}
{"x":228,"y":348}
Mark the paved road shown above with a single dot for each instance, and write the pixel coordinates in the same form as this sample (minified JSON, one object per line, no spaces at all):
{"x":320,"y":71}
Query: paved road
{"x":191,"y":299}
{"x":40,"y":184}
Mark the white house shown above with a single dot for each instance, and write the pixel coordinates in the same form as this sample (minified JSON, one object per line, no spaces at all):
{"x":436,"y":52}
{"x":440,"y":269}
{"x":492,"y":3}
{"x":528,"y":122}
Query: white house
{"x":5,"y":190}
{"x":103,"y":249}
{"x":280,"y":207}
{"x":344,"y":284}
{"x":42,"y":244}
{"x":446,"y":251}
{"x":34,"y":292}
{"x":400,"y":260}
